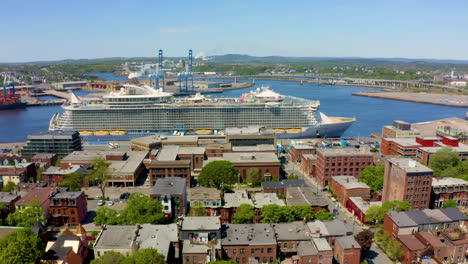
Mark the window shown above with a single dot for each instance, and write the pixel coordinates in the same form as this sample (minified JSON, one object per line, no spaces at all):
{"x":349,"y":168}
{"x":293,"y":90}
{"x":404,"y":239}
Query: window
{"x":242,"y":251}
{"x":269,"y":250}
{"x":262,"y":251}
{"x":72,"y":211}
{"x":234,"y":251}
{"x":252,"y":251}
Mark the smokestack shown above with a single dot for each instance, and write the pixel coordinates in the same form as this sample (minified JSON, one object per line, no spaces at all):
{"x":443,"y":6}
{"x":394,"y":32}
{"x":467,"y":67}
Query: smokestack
{"x":412,"y":163}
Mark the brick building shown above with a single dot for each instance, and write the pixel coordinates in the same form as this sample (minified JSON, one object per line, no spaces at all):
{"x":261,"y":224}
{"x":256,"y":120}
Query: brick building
{"x":267,"y":163}
{"x":9,"y":200}
{"x":444,"y":189}
{"x":53,"y":176}
{"x":254,"y":148}
{"x":261,"y":199}
{"x":125,"y":167}
{"x":358,"y":207}
{"x":244,"y":241}
{"x":407,"y":180}
{"x":348,"y":186}
{"x":217,"y":149}
{"x":316,"y":251}
{"x":421,"y":148}
{"x":308,"y":164}
{"x":297,"y":151}
{"x":156,"y":142}
{"x":403,"y":223}
{"x":175,"y":161}
{"x":289,"y":236}
{"x":232,"y":201}
{"x":61,"y":143}
{"x":41,"y":194}
{"x":280,"y":187}
{"x":172,"y":193}
{"x":340,"y":161}
{"x":20,"y":172}
{"x":399,"y":129}
{"x":306,"y":195}
{"x":67,"y":208}
{"x":49,"y":159}
{"x":347,"y":250}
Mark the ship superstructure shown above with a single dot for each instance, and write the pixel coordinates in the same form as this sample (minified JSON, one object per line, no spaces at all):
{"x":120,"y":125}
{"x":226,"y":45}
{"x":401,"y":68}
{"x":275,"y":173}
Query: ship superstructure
{"x":145,"y":110}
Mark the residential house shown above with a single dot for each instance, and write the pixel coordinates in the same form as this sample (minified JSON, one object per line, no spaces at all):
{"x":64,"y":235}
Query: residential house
{"x":210,"y":198}
{"x":68,"y":208}
{"x":172,"y":193}
{"x":279,"y":187}
{"x":349,"y":186}
{"x":347,"y":250}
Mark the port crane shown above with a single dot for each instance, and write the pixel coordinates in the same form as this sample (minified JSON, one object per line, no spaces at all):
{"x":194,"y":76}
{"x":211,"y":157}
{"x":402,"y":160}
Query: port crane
{"x":157,"y":79}
{"x":185,"y":79}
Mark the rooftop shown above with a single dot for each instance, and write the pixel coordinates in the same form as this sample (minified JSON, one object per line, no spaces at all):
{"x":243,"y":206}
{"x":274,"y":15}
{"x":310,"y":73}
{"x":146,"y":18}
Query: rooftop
{"x":159,"y":139}
{"x":43,"y":156}
{"x":350,"y":182}
{"x":235,"y":199}
{"x":462,"y":148}
{"x":427,"y":216}
{"x":62,"y":246}
{"x":249,"y":157}
{"x":341,"y":151}
{"x":53,"y":134}
{"x":6,"y":197}
{"x":170,"y":152}
{"x":321,"y":244}
{"x":292,"y":231}
{"x":405,"y":142}
{"x":249,"y":234}
{"x":41,"y":193}
{"x":158,"y":237}
{"x":304,"y":147}
{"x":437,"y":182}
{"x":116,"y":237}
{"x":408,"y":165}
{"x":72,"y":169}
{"x":304,"y":195}
{"x":306,"y":248}
{"x":67,"y":195}
{"x":129,"y":165}
{"x":259,"y":148}
{"x":348,"y":242}
{"x":169,"y":186}
{"x":329,"y":228}
{"x":363,"y":205}
{"x":202,"y":193}
{"x":201,"y":223}
{"x":411,"y":242}
{"x":262,"y":199}
{"x":283,"y":184}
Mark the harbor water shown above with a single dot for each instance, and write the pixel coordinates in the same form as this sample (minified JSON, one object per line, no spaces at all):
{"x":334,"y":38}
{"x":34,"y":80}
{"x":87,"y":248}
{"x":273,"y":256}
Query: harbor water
{"x":336,"y":100}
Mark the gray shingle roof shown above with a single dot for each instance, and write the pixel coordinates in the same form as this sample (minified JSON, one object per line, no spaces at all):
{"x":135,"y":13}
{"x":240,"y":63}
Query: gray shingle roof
{"x":201,"y":223}
{"x":116,"y":237}
{"x":283,"y":184}
{"x":348,"y":242}
{"x":249,"y":234}
{"x":169,"y":186}
{"x":292,"y":231}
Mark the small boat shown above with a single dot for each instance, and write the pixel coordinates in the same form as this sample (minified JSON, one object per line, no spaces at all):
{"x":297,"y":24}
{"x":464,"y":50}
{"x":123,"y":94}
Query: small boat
{"x":293,"y":130}
{"x":278,"y":130}
{"x":204,"y":131}
{"x":85,"y":133}
{"x":118,"y":132}
{"x":101,"y":133}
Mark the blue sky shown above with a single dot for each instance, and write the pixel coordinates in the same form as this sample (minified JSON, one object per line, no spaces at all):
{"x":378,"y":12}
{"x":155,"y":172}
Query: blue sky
{"x":34,"y":30}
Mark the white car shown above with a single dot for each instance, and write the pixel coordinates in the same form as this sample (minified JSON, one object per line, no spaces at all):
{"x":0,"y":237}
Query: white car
{"x":110,"y":203}
{"x":100,"y":203}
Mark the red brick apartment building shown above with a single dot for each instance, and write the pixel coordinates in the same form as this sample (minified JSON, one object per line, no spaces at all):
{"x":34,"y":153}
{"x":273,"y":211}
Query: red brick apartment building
{"x":56,"y":175}
{"x":421,"y":148}
{"x":407,"y":180}
{"x":217,"y":149}
{"x":297,"y":151}
{"x":316,"y":251}
{"x":175,"y":161}
{"x":47,"y":158}
{"x":347,"y":250}
{"x":244,"y":241}
{"x":348,"y":186}
{"x":444,"y":189}
{"x":267,"y":163}
{"x":340,"y":161}
{"x":68,"y":208}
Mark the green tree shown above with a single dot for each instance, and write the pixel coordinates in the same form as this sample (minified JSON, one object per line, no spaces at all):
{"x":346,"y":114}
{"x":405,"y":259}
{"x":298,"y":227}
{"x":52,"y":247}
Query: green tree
{"x":271,"y":213}
{"x":197,"y":209}
{"x":140,"y":209}
{"x":450,"y":203}
{"x":303,"y":212}
{"x":99,"y":174}
{"x":396,"y":206}
{"x":324,"y":215}
{"x":39,"y":173}
{"x":9,"y":187}
{"x":28,"y":215}
{"x":443,"y":159}
{"x":73,"y":181}
{"x":375,"y":214}
{"x":373,"y":176}
{"x":146,"y":255}
{"x":217,"y":174}
{"x":244,"y":214}
{"x":253,"y":177}
{"x":57,"y":163}
{"x":110,"y":257}
{"x":21,"y":246}
{"x":106,"y":216}
{"x":293,"y":176}
{"x":3,"y":213}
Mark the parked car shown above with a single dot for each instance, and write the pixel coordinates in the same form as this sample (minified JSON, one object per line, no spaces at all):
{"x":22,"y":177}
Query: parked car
{"x":100,"y":203}
{"x":110,"y":203}
{"x":124,"y":195}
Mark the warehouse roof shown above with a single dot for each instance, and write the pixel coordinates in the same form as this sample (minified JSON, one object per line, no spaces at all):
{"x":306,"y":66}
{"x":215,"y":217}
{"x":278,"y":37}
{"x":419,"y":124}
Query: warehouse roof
{"x":249,"y":234}
{"x":350,"y":182}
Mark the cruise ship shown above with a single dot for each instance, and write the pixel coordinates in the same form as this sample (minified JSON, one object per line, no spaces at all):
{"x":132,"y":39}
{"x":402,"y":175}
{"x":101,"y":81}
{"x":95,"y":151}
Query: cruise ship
{"x":141,"y":109}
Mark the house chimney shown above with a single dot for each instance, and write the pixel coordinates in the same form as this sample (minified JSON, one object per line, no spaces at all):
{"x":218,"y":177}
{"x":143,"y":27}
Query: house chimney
{"x":347,"y":179}
{"x":352,"y":246}
{"x":411,"y":163}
